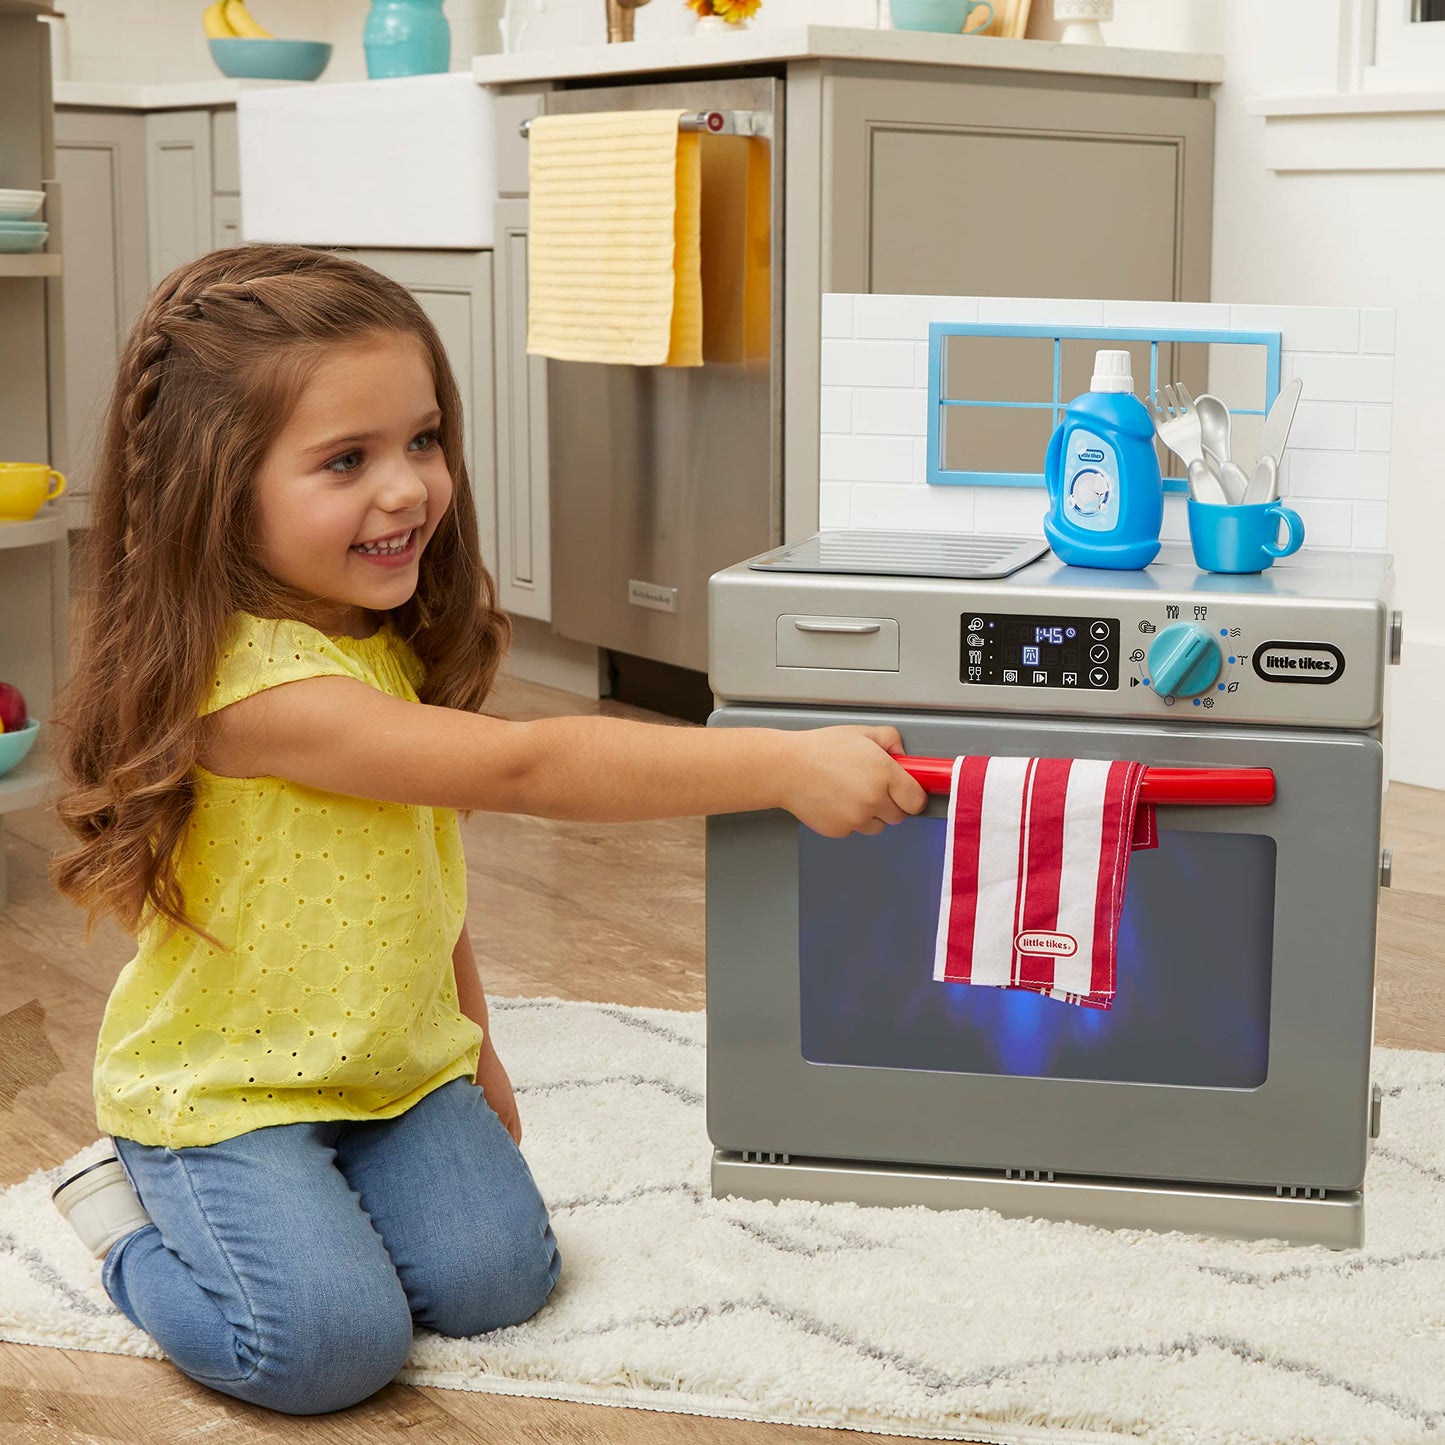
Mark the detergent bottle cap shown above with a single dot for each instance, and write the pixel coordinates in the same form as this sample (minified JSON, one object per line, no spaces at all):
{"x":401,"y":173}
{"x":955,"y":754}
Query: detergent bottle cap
{"x":1113,"y":371}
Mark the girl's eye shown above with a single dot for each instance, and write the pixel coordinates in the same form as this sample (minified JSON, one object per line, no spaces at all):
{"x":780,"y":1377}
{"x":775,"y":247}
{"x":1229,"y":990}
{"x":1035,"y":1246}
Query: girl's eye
{"x":426,"y":441}
{"x":345,"y":463}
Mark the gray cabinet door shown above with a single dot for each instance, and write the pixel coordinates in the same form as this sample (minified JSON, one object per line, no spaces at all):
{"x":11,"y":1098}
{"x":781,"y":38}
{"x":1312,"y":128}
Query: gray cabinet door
{"x":178,"y":187}
{"x":454,"y":288}
{"x":524,"y":566}
{"x":100,"y":163}
{"x":225,"y":221}
{"x":987,"y":189}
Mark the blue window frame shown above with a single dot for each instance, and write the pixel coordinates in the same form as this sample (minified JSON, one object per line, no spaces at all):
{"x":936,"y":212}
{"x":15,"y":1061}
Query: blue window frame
{"x":938,"y":399}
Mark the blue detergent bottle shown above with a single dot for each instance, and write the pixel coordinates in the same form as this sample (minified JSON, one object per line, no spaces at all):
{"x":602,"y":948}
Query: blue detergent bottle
{"x":1106,"y":496}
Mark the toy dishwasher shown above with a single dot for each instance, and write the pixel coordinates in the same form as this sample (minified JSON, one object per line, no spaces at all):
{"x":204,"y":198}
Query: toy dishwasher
{"x":1227,"y":1090}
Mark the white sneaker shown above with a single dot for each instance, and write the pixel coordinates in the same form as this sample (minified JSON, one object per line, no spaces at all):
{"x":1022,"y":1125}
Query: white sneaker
{"x":100,"y":1205}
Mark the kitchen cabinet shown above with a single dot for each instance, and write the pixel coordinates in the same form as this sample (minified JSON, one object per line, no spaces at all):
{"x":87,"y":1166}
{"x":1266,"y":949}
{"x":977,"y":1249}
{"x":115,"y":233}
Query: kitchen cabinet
{"x":980,"y":177}
{"x":100,"y":163}
{"x":524,"y":571}
{"x":455,"y":289}
{"x":34,"y":567}
{"x":143,"y":193}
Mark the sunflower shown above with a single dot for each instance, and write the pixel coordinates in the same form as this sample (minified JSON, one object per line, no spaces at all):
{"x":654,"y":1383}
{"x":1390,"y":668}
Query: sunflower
{"x":735,"y":12}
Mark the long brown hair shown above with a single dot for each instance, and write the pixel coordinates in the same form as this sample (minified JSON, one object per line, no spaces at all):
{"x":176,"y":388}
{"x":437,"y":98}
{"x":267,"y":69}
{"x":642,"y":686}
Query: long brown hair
{"x":208,"y":377}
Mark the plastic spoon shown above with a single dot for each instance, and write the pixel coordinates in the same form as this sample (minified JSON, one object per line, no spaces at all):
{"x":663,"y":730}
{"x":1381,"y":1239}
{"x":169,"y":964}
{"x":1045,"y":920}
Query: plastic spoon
{"x":1264,"y":484}
{"x":1204,"y":486}
{"x":1215,"y":426}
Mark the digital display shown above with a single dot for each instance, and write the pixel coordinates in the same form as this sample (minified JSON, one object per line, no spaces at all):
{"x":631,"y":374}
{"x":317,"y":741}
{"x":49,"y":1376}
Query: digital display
{"x":1012,"y":650}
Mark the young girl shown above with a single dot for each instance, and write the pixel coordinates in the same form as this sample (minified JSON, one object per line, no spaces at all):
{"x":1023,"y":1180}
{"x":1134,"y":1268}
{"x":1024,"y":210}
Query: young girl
{"x":273,"y":721}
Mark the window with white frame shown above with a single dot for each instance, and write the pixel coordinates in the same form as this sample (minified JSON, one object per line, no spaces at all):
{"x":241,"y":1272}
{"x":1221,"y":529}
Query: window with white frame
{"x":1409,"y":46}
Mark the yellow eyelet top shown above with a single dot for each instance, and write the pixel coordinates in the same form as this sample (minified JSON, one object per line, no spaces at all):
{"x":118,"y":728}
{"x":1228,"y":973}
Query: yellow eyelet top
{"x":334,"y":996}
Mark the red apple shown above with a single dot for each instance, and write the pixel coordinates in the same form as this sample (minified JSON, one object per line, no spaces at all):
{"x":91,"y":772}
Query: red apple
{"x":12,"y":708}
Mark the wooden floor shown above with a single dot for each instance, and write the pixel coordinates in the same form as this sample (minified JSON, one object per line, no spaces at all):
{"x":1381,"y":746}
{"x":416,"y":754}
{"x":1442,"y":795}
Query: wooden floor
{"x":574,"y":911}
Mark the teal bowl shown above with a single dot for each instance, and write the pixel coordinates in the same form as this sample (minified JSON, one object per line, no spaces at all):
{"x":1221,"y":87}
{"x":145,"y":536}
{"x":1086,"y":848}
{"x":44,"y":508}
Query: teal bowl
{"x":270,"y":59}
{"x":945,"y":16}
{"x":14,"y":746}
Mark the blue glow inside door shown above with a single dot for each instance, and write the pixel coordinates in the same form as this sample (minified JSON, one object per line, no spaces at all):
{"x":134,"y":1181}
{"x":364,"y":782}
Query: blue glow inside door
{"x":1193,"y":985}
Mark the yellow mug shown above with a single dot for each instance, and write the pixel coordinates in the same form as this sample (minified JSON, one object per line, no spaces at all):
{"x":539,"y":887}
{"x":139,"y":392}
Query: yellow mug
{"x":25,"y":487}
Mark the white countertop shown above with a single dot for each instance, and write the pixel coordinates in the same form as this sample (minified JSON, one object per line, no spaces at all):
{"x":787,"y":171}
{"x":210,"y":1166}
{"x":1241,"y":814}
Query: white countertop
{"x":178,"y":95}
{"x":820,"y":42}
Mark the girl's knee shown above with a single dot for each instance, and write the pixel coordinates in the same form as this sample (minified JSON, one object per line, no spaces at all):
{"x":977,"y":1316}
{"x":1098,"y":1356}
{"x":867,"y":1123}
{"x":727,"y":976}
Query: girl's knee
{"x":312,"y":1362}
{"x":496,"y":1292}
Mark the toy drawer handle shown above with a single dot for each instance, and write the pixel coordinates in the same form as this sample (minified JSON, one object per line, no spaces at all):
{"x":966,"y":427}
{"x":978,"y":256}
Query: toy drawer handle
{"x":1219,"y":787}
{"x":851,"y":627}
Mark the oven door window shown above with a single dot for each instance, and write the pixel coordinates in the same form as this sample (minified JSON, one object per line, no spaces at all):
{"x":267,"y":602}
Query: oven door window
{"x":1192,"y":1006}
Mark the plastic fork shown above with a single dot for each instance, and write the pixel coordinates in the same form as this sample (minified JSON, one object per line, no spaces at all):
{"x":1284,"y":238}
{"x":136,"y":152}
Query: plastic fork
{"x":1176,"y":421}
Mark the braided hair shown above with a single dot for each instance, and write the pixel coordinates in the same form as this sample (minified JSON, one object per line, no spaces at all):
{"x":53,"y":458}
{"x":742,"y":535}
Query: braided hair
{"x":210,"y":373}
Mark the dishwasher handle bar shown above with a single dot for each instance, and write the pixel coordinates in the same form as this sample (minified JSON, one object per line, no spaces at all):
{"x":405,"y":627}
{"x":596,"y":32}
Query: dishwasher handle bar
{"x":1226,"y":787}
{"x":708,"y":122}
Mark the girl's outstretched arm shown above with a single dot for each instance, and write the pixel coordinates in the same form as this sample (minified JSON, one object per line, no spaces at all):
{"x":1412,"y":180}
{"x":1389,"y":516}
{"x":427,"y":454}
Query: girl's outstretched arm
{"x":341,"y":736}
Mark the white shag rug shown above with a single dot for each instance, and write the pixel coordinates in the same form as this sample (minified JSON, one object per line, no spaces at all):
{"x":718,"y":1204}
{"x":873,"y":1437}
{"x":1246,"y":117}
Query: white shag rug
{"x":960,"y":1325}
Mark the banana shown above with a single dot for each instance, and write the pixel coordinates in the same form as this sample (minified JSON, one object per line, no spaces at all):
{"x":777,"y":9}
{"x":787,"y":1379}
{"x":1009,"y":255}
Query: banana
{"x":217,"y":26}
{"x":242,"y":23}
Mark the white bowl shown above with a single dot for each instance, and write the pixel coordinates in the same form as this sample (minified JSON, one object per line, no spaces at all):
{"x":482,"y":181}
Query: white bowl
{"x":20,"y":205}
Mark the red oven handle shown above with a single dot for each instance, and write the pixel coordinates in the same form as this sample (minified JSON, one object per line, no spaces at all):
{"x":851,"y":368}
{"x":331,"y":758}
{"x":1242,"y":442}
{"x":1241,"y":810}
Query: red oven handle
{"x":1217,"y":786}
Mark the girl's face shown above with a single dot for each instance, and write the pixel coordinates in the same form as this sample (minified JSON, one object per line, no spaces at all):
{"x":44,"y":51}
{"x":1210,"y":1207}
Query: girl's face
{"x":353,"y":487}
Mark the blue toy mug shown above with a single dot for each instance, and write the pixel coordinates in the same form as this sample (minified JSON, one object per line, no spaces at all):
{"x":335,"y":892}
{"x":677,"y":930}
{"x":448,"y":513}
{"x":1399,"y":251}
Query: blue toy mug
{"x":1242,"y":539}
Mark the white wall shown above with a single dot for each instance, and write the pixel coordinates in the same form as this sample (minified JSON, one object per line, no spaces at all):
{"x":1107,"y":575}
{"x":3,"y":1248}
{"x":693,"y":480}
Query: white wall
{"x":1346,"y":239}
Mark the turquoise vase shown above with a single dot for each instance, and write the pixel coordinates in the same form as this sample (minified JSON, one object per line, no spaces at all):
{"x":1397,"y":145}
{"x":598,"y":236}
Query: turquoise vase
{"x":406,"y":37}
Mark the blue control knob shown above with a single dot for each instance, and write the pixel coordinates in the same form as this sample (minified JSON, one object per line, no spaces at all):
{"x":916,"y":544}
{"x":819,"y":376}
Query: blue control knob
{"x":1184,"y":661}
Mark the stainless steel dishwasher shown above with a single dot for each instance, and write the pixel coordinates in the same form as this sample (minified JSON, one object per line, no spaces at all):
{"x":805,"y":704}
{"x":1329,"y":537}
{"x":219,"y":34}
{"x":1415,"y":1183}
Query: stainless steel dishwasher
{"x":661,"y":476}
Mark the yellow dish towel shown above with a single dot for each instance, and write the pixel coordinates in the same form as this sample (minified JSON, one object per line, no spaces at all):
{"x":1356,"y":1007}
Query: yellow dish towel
{"x":614,"y":261}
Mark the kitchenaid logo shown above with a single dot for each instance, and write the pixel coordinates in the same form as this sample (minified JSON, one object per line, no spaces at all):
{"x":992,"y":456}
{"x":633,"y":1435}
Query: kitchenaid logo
{"x":650,"y":594}
{"x":1061,"y":945}
{"x":1091,"y":454}
{"x":1298,"y":661}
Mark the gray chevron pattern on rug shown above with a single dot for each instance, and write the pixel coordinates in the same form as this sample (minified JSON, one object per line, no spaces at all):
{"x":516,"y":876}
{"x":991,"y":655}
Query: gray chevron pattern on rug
{"x":962,"y":1326}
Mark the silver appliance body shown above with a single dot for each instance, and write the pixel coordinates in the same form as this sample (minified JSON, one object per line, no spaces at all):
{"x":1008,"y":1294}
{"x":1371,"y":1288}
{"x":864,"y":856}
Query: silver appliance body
{"x":662,"y":475}
{"x":1228,"y":1090}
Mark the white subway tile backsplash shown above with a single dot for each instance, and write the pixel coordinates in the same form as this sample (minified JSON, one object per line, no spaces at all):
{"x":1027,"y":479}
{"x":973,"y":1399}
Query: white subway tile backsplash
{"x":1327,"y":523}
{"x":914,"y":509}
{"x":1345,"y":378}
{"x":1175,"y":315}
{"x":838,"y":315}
{"x":908,"y":316}
{"x":1369,"y":531}
{"x":1008,"y":509}
{"x":1352,"y":476}
{"x":1302,"y":328}
{"x":1176,"y":519}
{"x":865,"y":459}
{"x":1321,"y":427}
{"x":867,"y":363}
{"x":892,"y":412}
{"x":874,"y":449}
{"x":835,"y":411}
{"x":1373,"y":433}
{"x":834,"y":505}
{"x":1034,"y":311}
{"x":1377,"y":331}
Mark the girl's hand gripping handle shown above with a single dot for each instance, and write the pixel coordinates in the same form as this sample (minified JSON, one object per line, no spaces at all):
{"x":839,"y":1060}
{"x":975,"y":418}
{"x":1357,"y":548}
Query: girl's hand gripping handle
{"x":843,"y":780}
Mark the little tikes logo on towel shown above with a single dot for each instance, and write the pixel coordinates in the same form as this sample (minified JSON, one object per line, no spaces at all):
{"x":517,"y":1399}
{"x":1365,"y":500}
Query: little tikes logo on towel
{"x":1060,"y":945}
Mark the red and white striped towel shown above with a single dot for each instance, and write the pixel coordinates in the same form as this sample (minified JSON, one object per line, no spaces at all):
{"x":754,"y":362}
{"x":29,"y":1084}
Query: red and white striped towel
{"x":1034,"y":872}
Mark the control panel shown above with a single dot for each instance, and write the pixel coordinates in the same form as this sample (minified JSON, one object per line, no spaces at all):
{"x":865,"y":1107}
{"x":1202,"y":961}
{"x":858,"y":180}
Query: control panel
{"x":1005,"y":649}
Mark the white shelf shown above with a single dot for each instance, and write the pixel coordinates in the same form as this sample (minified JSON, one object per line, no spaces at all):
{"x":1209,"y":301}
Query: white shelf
{"x":35,"y":263}
{"x":49,"y":526}
{"x":29,"y":782}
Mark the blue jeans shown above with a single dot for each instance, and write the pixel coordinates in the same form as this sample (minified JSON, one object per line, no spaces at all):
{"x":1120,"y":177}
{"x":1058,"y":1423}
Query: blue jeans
{"x":286,"y":1266}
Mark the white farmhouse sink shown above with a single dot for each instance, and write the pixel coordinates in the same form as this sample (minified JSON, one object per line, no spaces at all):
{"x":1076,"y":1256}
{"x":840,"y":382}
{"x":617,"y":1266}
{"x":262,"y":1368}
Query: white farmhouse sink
{"x":372,"y":163}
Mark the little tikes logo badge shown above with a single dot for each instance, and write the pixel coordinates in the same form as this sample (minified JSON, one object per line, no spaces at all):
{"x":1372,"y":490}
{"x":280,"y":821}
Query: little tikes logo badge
{"x":1060,"y":945}
{"x":1091,"y":454}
